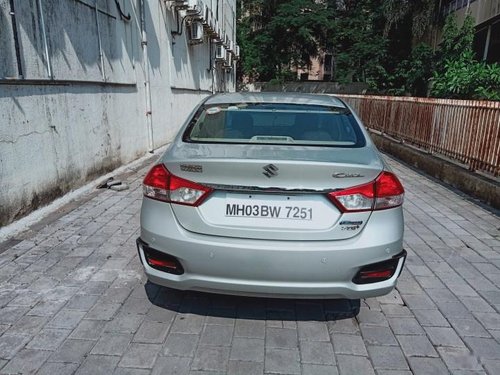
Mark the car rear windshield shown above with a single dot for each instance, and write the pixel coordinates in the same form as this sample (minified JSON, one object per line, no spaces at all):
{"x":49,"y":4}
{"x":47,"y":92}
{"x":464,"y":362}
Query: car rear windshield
{"x":276,"y":124}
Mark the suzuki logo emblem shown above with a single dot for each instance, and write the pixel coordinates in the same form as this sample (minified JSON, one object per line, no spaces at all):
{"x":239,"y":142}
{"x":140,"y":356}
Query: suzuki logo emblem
{"x":270,"y":170}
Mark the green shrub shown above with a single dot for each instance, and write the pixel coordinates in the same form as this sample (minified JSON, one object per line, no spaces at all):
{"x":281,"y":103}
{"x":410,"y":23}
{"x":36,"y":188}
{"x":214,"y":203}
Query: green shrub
{"x":459,"y":75}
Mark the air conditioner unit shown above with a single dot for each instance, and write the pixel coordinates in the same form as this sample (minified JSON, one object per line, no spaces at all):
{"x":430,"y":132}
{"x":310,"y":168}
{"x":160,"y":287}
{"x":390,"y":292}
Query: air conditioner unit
{"x":220,"y":53}
{"x":237,"y":52}
{"x":195,"y":32}
{"x":206,"y":16}
{"x":211,"y":25}
{"x":208,"y":22}
{"x":216,"y":30}
{"x":228,"y":61}
{"x":180,"y":4}
{"x":231,"y":47}
{"x":195,"y":8}
{"x":218,"y":35}
{"x":225,"y":41}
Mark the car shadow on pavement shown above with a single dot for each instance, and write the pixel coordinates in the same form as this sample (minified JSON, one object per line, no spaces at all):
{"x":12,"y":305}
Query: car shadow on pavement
{"x":227,"y":306}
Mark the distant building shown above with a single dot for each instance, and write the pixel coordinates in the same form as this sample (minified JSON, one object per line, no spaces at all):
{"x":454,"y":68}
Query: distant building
{"x":321,"y":68}
{"x":487,"y":16}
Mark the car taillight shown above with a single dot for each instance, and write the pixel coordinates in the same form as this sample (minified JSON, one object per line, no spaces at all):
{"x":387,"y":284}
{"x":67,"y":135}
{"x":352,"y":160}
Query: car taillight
{"x":385,"y":192}
{"x":161,"y":185}
{"x":388,"y":191}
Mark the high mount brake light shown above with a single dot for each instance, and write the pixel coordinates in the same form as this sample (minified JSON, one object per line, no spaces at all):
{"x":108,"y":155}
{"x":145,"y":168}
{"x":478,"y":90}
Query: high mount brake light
{"x":161,"y":185}
{"x":384,"y":192}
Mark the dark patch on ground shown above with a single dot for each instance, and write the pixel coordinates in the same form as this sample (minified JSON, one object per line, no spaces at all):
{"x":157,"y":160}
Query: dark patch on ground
{"x":70,"y":181}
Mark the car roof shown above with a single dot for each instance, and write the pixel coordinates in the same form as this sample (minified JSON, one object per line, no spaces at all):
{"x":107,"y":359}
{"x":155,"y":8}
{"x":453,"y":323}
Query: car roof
{"x":275,"y":97}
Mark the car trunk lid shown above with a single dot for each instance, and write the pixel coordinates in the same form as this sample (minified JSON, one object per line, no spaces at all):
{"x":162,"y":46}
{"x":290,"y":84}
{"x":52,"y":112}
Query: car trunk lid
{"x":262,"y":196}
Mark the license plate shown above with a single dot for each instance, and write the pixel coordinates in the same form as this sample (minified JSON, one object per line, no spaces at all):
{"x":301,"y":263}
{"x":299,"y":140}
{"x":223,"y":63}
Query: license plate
{"x":269,"y":211}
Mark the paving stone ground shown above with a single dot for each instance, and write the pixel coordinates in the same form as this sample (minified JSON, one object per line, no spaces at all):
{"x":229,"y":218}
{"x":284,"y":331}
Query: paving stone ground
{"x":73,"y":299}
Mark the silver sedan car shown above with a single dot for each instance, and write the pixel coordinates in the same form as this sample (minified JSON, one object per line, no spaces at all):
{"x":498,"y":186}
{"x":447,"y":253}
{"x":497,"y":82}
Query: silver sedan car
{"x":272,"y":194}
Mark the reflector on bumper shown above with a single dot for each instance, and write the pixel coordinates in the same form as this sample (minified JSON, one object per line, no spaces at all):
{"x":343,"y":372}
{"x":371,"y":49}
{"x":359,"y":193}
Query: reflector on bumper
{"x":381,"y":271}
{"x":160,"y":261}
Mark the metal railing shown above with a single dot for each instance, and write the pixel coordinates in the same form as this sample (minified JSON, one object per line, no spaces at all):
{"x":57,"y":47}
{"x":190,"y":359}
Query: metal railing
{"x":467,"y":131}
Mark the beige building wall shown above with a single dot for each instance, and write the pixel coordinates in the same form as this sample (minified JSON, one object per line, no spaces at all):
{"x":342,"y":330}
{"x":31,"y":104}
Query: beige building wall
{"x":482,"y":10}
{"x":487,"y":16}
{"x":320,"y":69}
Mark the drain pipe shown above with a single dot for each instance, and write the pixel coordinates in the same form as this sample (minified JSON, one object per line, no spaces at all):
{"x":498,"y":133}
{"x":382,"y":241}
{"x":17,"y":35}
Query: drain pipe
{"x":45,"y":43}
{"x":16,"y":40}
{"x":147,"y":86}
{"x":99,"y":42}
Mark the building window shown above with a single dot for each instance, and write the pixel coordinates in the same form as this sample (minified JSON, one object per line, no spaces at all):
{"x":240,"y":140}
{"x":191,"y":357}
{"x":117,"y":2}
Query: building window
{"x":479,"y":44}
{"x":494,"y":47}
{"x":488,"y":47}
{"x":328,"y":63}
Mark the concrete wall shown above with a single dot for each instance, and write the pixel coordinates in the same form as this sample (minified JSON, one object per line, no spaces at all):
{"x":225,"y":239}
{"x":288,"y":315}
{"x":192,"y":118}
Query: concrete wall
{"x":58,"y":132}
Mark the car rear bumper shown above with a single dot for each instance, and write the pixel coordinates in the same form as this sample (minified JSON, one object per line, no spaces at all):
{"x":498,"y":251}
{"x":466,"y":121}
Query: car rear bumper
{"x":271,"y":288}
{"x":303,"y":269}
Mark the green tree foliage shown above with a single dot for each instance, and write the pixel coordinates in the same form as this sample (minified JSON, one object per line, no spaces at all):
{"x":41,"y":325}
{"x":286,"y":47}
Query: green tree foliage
{"x":276,"y":35}
{"x":373,"y":42}
{"x":466,"y":78}
{"x":458,"y":74}
{"x":412,"y":75}
{"x":365,"y":36}
{"x":384,"y":43}
{"x":360,"y":48}
{"x":420,"y":14}
{"x":456,"y":40}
